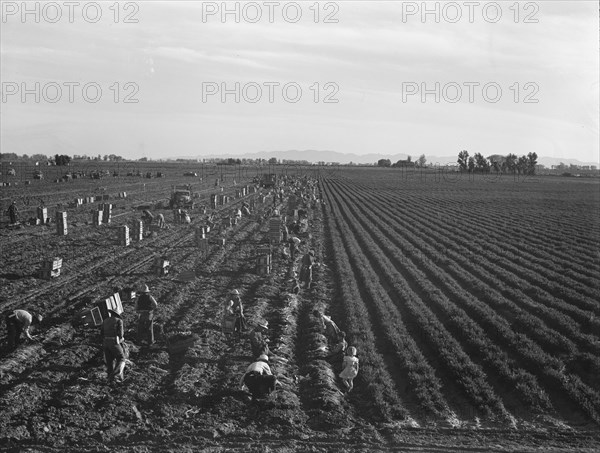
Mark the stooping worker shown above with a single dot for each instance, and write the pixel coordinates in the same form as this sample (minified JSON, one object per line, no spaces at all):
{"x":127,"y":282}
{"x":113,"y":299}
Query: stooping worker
{"x":258,"y":340}
{"x":308,"y":260}
{"x":160,"y":221}
{"x":238,"y":311}
{"x":329,"y":328}
{"x":147,"y":217}
{"x":258,"y":378}
{"x":17,"y":322}
{"x":112,"y":345}
{"x":145,"y":306}
{"x":13,"y":212}
{"x":350,"y":368}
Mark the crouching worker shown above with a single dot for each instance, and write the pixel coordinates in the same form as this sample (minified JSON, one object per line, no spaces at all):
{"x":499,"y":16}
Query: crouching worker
{"x":112,"y":345}
{"x":17,"y":322}
{"x":259,"y":379}
{"x":258,"y":340}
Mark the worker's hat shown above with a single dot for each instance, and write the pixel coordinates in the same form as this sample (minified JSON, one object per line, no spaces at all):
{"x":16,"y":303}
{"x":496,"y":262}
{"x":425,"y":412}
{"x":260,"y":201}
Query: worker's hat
{"x":264,"y":324}
{"x":263,"y":357}
{"x":312,"y":253}
{"x":235,"y":292}
{"x":144,"y":289}
{"x":352,"y":351}
{"x":39,"y":318}
{"x":114,"y":313}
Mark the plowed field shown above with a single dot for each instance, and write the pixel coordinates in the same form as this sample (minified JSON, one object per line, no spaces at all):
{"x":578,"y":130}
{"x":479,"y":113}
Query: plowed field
{"x":473,"y":303}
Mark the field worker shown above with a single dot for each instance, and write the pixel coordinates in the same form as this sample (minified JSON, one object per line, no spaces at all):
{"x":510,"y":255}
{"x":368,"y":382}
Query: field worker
{"x":161,"y":221}
{"x":147,"y":217}
{"x":238,"y":311}
{"x":294,"y":247}
{"x":228,"y":322}
{"x":112,"y":344}
{"x":145,"y":306}
{"x":339,"y":348}
{"x":258,"y":378}
{"x":330,"y":329}
{"x":306,"y":268}
{"x":238,"y":214}
{"x":350,"y":368}
{"x":17,"y":322}
{"x":245,"y":209}
{"x":258,"y":340}
{"x":185,"y":217}
{"x":13,"y":212}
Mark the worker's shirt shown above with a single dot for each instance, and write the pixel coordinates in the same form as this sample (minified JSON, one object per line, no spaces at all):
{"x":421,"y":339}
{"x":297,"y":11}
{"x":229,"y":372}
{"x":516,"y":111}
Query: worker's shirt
{"x":112,"y":330}
{"x":24,"y":318}
{"x":146,"y":304}
{"x":259,"y":367}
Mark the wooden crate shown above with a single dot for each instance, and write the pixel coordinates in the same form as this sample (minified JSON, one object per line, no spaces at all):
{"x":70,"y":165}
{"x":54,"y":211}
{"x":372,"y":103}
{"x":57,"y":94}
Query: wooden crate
{"x":124,"y":235}
{"x":91,"y":317}
{"x":49,"y":274}
{"x":111,"y":303}
{"x":52,"y":263}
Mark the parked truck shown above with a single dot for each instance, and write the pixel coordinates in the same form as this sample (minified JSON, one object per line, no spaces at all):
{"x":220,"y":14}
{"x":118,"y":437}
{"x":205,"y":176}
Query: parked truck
{"x":182,"y":197}
{"x":268,"y":180}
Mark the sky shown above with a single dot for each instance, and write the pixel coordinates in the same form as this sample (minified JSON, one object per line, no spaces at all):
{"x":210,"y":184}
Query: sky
{"x":170,"y":79}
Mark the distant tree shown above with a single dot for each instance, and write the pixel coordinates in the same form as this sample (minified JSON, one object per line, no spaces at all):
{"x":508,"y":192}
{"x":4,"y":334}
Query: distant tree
{"x":471,"y":164}
{"x":531,"y":163}
{"x":481,"y":163}
{"x":8,"y":156}
{"x":384,"y":163}
{"x":463,"y":160}
{"x":510,"y":163}
{"x":143,"y":159}
{"x":522,"y":165}
{"x":421,"y":161}
{"x":272,"y":160}
{"x":39,"y":157}
{"x":62,"y":159}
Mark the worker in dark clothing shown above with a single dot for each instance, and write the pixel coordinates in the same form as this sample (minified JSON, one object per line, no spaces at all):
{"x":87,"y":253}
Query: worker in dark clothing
{"x":329,"y":328}
{"x":147,"y":217}
{"x":112,"y":345}
{"x":306,"y":270}
{"x":13,"y":212}
{"x":238,"y":311}
{"x":258,"y":340}
{"x":259,"y":379}
{"x":17,"y":322}
{"x":146,"y":304}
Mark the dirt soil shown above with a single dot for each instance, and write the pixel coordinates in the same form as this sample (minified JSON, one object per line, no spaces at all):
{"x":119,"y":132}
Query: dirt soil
{"x":54,"y":394}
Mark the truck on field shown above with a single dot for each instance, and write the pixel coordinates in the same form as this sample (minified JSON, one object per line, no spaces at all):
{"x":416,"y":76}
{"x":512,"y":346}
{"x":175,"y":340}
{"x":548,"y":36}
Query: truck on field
{"x":182,"y":197}
{"x":268,"y":180}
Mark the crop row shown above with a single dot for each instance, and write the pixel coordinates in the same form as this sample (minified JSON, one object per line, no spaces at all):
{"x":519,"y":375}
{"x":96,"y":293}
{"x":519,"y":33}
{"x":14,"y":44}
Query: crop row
{"x":577,"y":388}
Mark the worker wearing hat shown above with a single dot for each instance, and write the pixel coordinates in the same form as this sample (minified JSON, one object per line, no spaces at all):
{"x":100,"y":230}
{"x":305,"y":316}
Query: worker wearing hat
{"x":258,"y":340}
{"x":258,"y":378}
{"x":13,"y":212}
{"x":145,"y":307}
{"x":112,"y":344}
{"x":17,"y":322}
{"x":308,"y":260}
{"x":238,"y":311}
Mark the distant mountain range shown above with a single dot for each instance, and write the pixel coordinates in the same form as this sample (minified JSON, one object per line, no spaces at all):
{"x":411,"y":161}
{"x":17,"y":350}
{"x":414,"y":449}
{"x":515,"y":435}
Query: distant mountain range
{"x":315,"y":156}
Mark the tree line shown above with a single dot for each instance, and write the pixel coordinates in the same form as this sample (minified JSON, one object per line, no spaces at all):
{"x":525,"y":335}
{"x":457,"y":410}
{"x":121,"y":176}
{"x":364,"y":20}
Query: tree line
{"x":497,"y":163}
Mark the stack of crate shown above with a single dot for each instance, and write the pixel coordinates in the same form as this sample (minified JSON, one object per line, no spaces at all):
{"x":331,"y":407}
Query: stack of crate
{"x":213,"y":201}
{"x":61,"y":223}
{"x":138,"y":230}
{"x":42,"y":214}
{"x":97,"y":218}
{"x":124,"y":235}
{"x":263,"y":260}
{"x":200,"y":234}
{"x":107,"y":212}
{"x":275,"y":229}
{"x":227,"y":222}
{"x":122,"y":194}
{"x":78,"y":201}
{"x":161,"y":265}
{"x":91,"y":317}
{"x":51,"y":268}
